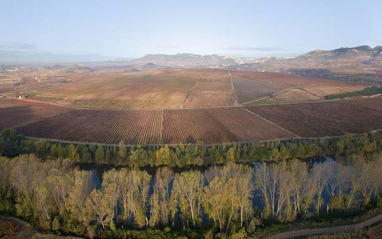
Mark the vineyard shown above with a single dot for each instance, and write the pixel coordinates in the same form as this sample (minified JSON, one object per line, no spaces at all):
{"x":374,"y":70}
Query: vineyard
{"x":296,"y":95}
{"x":147,"y":90}
{"x":369,"y":103}
{"x":18,"y":112}
{"x":161,"y":89}
{"x":101,"y":126}
{"x":334,"y":87}
{"x":212,"y":126}
{"x":247,"y":90}
{"x":250,"y":86}
{"x":278,"y":79}
{"x":324,"y":118}
{"x":209,"y":94}
{"x":217,"y":76}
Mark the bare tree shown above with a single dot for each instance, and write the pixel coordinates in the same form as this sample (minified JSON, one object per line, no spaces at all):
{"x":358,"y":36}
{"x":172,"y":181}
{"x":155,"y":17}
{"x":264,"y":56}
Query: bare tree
{"x":244,"y":188}
{"x":134,"y":193}
{"x":285,"y":188}
{"x":78,"y":199}
{"x":105,"y":201}
{"x":319,"y":182}
{"x":263,"y":177}
{"x":159,"y":200}
{"x":187,"y":189}
{"x":5,"y":170}
{"x":300,"y":186}
{"x":21,"y":179}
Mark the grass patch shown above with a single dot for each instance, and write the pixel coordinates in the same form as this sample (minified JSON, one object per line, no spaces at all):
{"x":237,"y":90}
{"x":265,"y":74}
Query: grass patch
{"x":374,"y":90}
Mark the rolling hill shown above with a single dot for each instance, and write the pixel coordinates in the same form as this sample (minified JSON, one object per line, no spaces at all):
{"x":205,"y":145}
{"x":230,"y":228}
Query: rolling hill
{"x":361,"y":63}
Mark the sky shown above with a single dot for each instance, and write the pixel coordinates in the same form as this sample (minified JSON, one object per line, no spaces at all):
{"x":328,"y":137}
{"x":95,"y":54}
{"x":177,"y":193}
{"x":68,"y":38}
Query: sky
{"x":130,"y":29}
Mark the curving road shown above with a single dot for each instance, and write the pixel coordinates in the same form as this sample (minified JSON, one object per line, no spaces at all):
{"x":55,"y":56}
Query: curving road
{"x":326,"y":230}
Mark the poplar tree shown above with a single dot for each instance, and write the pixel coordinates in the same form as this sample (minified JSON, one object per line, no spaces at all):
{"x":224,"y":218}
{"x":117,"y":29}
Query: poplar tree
{"x":160,"y":198}
{"x":187,"y":191}
{"x":100,"y":155}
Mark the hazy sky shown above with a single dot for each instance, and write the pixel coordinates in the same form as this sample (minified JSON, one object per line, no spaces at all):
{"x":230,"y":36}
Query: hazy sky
{"x":239,"y":28}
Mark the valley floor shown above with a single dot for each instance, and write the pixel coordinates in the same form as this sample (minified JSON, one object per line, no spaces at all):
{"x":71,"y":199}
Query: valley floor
{"x":210,"y":126}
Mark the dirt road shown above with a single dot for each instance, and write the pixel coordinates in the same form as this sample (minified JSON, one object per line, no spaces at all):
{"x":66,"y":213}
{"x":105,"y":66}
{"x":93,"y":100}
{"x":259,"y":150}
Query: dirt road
{"x":327,"y":230}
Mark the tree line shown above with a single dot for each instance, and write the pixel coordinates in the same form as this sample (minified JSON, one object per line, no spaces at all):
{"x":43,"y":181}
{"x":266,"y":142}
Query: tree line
{"x":57,"y":196}
{"x":13,"y":144}
{"x":370,"y":91}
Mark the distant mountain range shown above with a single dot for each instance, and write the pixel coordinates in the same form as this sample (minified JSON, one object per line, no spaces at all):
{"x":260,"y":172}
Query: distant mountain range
{"x":155,"y":61}
{"x":361,"y":63}
{"x":190,"y":60}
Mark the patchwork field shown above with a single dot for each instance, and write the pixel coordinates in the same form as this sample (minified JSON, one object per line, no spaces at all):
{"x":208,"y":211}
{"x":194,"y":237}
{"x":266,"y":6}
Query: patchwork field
{"x":285,"y":88}
{"x":209,"y":126}
{"x":247,"y":90}
{"x":170,"y":106}
{"x":324,"y":118}
{"x":159,"y":89}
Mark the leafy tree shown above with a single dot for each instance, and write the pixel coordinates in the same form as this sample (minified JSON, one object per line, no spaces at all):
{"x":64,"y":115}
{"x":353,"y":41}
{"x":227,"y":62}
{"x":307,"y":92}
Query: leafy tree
{"x":79,"y":203}
{"x":159,"y":200}
{"x":86,"y":155}
{"x":72,"y":153}
{"x":100,"y":155}
{"x":121,"y":156}
{"x":2,"y":145}
{"x":187,"y":191}
{"x":134,"y":194}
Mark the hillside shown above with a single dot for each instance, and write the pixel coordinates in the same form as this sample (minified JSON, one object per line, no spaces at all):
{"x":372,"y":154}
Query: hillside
{"x":361,"y":63}
{"x":74,"y":69}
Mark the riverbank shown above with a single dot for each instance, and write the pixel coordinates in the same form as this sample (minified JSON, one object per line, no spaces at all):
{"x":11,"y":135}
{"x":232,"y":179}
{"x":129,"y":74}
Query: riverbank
{"x":11,"y":227}
{"x":371,"y":218}
{"x":329,"y":224}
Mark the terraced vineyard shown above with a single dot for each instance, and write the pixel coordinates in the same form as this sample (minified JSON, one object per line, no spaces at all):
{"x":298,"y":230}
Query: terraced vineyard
{"x":247,"y":90}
